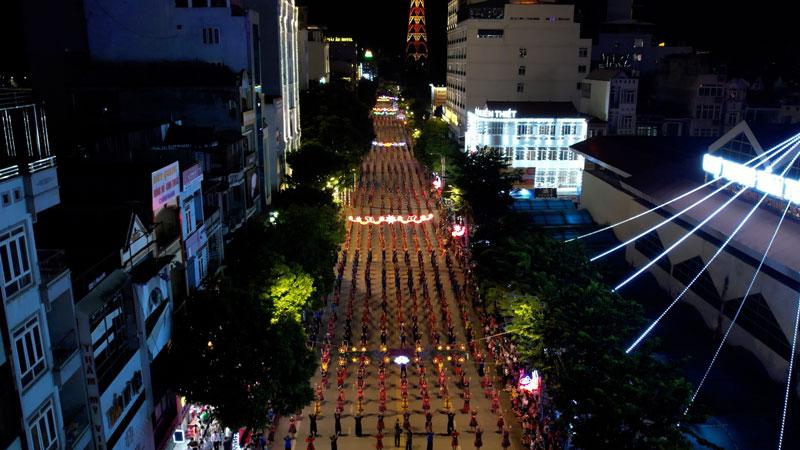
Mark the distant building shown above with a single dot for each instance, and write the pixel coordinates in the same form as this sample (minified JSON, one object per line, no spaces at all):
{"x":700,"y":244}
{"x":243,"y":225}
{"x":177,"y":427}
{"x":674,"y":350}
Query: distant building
{"x":43,"y":396}
{"x":438,"y":97}
{"x":536,"y":137}
{"x":610,"y":95}
{"x":511,"y":51}
{"x":343,"y":54}
{"x":319,"y":68}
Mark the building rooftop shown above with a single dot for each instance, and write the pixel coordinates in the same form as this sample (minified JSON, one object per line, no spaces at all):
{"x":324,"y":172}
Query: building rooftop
{"x":537,"y":109}
{"x":606,"y":74}
{"x":657,"y":169}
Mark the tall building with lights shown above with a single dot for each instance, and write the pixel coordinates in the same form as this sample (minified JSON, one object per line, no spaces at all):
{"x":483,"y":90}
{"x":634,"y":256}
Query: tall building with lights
{"x":417,"y":36}
{"x":517,"y":50}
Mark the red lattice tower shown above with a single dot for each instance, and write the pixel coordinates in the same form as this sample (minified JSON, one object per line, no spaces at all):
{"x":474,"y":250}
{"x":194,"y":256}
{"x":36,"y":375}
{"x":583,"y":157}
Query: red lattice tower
{"x":417,"y":38}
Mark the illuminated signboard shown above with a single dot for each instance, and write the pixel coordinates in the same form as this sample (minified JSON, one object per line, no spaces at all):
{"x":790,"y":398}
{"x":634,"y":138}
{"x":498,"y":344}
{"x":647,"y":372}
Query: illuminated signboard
{"x":761,"y":179}
{"x":338,"y":39}
{"x":492,"y":114}
{"x":166,"y":184}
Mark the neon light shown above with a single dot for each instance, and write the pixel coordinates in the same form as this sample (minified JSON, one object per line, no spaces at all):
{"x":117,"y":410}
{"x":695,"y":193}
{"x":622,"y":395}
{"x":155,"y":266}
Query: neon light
{"x":367,"y":220}
{"x":789,"y":375}
{"x":739,"y":310}
{"x":675,"y":216}
{"x":459,"y":230}
{"x":530,"y":382}
{"x":389,"y":144}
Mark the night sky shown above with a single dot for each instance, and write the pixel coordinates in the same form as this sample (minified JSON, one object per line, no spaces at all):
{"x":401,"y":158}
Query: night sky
{"x":749,"y":38}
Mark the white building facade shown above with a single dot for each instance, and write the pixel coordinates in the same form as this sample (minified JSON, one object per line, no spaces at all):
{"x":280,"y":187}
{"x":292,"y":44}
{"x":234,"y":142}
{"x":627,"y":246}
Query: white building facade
{"x":611,"y":96}
{"x":535,"y":137}
{"x":518,"y":51}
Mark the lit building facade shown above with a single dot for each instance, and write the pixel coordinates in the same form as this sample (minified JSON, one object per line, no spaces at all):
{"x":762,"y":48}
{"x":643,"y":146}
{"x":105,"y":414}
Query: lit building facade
{"x":319,"y":68}
{"x":44,"y":403}
{"x":535,"y":137}
{"x":611,"y":96}
{"x":511,"y":51}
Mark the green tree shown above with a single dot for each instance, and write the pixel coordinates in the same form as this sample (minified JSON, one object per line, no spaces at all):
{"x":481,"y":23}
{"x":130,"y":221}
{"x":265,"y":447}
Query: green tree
{"x":486,"y":181}
{"x":227,"y":352}
{"x":313,"y":165}
{"x":289,"y":292}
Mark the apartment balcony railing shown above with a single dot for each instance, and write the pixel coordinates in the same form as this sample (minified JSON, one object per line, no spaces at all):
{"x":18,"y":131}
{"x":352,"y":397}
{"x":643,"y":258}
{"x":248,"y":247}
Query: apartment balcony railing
{"x":52,"y":264}
{"x":76,"y":426}
{"x":65,"y":348}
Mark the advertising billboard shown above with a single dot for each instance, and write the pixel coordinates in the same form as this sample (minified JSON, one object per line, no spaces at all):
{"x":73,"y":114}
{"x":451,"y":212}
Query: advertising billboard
{"x":166,"y":185}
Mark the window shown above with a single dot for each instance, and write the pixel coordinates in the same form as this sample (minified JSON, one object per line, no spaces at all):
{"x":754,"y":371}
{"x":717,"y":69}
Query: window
{"x":219,"y":3}
{"x":523,"y":52}
{"x":181,"y":3}
{"x":638,"y":43}
{"x":199,"y":3}
{"x":710,"y":91}
{"x":6,"y":198}
{"x":211,"y":35}
{"x":628,"y":96}
{"x":582,"y":69}
{"x":586,"y":90}
{"x":524,"y":129}
{"x":521,"y":70}
{"x":42,"y":428}
{"x":30,"y":356}
{"x":156,"y":297}
{"x":626,"y":122}
{"x":520,"y":87}
{"x":14,"y":262}
{"x":484,"y":34}
{"x":583,"y":52}
{"x":496,"y":128}
{"x":547,"y":130}
{"x":519,"y":155}
{"x":569,"y":129}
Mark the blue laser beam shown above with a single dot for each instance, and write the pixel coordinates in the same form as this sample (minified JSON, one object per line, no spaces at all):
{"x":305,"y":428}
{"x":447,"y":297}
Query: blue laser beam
{"x":789,"y":376}
{"x":667,"y":203}
{"x":717,"y":253}
{"x":739,"y":310}
{"x":675,"y":216}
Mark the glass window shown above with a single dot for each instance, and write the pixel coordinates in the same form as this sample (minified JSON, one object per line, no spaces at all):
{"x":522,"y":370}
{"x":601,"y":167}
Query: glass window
{"x":30,"y":354}
{"x":14,"y":262}
{"x":582,"y":69}
{"x":521,"y":70}
{"x":181,"y":3}
{"x":495,"y":127}
{"x":199,"y":3}
{"x":42,"y":428}
{"x":519,"y":155}
{"x":523,"y":52}
{"x":583,"y":52}
{"x":520,"y":87}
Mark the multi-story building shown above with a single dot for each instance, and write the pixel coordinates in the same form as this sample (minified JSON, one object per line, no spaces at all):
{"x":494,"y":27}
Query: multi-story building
{"x":43,"y":390}
{"x":535,"y":137}
{"x":343,"y":57}
{"x":511,"y":51}
{"x":610,"y":95}
{"x":319,"y":67}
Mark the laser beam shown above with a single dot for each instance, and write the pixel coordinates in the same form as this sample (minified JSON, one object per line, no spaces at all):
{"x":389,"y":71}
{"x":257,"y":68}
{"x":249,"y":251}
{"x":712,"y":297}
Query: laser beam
{"x":762,"y":155}
{"x":739,"y":310}
{"x":789,"y":376}
{"x":675,"y":216}
{"x":685,"y":194}
{"x":717,"y":253}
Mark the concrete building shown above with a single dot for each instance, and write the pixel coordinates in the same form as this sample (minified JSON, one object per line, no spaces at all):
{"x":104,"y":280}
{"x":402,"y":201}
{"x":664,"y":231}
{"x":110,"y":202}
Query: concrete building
{"x":343,"y":58}
{"x":511,"y":51}
{"x":535,"y":137}
{"x":44,"y":397}
{"x":610,"y":95}
{"x":625,"y":176}
{"x":318,"y":52}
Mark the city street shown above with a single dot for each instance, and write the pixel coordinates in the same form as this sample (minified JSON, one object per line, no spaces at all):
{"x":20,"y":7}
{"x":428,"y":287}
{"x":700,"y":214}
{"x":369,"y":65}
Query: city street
{"x":388,"y":307}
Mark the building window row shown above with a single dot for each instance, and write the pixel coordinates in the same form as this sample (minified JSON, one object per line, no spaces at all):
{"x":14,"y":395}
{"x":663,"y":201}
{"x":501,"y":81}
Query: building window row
{"x":541,"y":154}
{"x":708,"y":112}
{"x":211,"y":36}
{"x":30,"y":351}
{"x":711,"y":91}
{"x":14,"y":262}
{"x":201,"y":3}
{"x":42,"y":428}
{"x":529,"y":128}
{"x":490,"y":33}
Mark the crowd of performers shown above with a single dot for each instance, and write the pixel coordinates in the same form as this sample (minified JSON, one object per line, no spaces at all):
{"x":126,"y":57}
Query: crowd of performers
{"x":392,"y":319}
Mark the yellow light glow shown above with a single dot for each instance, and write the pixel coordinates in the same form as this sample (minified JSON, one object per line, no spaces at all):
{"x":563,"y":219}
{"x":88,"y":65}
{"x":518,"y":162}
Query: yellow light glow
{"x":662,"y":44}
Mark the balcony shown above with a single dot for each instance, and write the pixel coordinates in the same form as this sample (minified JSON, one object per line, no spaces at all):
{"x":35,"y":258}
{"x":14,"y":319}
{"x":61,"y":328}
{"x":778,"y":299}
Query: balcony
{"x":65,"y":357}
{"x":76,"y":428}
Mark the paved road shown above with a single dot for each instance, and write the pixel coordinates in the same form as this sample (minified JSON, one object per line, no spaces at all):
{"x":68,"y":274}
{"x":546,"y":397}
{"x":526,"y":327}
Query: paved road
{"x":404,"y":250}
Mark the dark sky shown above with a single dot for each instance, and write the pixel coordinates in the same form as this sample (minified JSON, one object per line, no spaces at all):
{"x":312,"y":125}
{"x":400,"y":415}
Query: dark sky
{"x":752,"y":37}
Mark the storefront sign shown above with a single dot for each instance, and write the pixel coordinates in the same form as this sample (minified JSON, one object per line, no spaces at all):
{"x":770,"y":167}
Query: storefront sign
{"x":165,"y":185}
{"x":492,"y":114}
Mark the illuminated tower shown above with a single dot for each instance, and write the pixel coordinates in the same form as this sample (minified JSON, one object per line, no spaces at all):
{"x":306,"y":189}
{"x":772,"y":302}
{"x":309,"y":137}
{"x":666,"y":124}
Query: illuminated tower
{"x":417,"y":38}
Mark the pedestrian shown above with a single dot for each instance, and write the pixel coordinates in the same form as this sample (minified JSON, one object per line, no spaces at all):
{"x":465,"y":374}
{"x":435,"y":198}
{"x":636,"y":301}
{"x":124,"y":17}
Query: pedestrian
{"x":506,"y":441}
{"x":287,"y":442}
{"x":379,"y":441}
{"x":216,"y":439}
{"x":478,"y":438}
{"x":500,"y":423}
{"x":450,"y":422}
{"x":473,"y":420}
{"x":337,"y":418}
{"x":313,"y":424}
{"x":430,"y":441}
{"x":380,"y":423}
{"x":358,"y":425}
{"x":334,"y":439}
{"x":454,"y":440}
{"x":310,"y":443}
{"x":397,"y":432}
{"x":409,"y":435}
